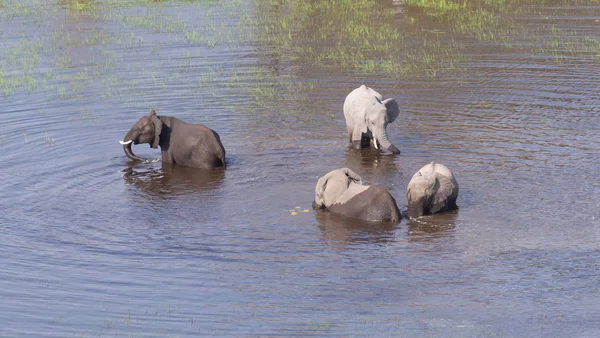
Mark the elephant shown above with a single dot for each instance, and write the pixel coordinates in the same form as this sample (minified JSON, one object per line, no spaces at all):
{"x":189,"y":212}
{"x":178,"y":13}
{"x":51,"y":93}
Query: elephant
{"x":367,"y":116}
{"x":341,"y":191}
{"x":181,"y":143}
{"x":432,"y":189}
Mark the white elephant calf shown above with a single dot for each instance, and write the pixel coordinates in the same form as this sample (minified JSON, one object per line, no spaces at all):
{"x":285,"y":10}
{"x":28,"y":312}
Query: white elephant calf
{"x":432,"y":189}
{"x":367,"y":116}
{"x":341,"y":191}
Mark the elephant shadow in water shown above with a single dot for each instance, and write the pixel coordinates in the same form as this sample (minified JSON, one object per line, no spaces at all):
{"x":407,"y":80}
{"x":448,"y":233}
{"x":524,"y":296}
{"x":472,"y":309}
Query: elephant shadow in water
{"x":340,"y":230}
{"x":173,"y":180}
{"x":432,"y":226}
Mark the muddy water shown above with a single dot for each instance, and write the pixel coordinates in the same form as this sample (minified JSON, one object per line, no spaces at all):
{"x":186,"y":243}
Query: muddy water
{"x":95,"y":245}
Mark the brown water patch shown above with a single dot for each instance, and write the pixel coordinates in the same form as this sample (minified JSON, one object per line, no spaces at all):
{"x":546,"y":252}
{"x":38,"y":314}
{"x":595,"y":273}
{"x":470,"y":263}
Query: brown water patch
{"x":93,"y":245}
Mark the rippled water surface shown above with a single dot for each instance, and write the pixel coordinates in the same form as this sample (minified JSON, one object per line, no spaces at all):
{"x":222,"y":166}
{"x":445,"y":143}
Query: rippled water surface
{"x":95,"y":245}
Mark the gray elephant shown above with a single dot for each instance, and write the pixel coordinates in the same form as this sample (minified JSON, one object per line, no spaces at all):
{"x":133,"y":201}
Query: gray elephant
{"x":341,"y":191}
{"x":367,"y":116}
{"x":432,"y":189}
{"x":185,"y":144}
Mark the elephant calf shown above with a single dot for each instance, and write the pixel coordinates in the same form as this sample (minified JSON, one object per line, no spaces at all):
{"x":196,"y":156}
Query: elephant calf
{"x":432,"y":189}
{"x":341,"y":191}
{"x":367,"y":116}
{"x":185,"y":144}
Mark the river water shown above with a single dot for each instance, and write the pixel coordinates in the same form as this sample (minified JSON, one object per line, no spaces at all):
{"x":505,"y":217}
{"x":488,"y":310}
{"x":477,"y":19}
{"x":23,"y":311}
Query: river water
{"x":95,"y":245}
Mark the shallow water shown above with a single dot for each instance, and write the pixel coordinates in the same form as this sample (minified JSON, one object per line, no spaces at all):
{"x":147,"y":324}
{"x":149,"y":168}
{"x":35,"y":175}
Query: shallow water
{"x":96,"y":245}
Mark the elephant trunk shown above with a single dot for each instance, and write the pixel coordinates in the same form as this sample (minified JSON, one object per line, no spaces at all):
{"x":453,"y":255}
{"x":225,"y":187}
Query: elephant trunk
{"x":128,"y":140}
{"x":414,"y":210}
{"x":130,"y":154}
{"x":316,"y":206}
{"x":386,"y":144}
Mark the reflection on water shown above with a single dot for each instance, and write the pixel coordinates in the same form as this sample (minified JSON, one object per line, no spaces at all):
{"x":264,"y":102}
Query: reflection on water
{"x":370,"y":160}
{"x":172,"y":180}
{"x":438,"y":225}
{"x":503,"y":93}
{"x":341,"y":231}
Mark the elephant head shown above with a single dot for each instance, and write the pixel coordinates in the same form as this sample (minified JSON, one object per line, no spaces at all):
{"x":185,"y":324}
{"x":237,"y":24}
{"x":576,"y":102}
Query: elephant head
{"x":377,"y":117}
{"x":332,"y":186}
{"x":432,"y":189}
{"x":146,"y":130}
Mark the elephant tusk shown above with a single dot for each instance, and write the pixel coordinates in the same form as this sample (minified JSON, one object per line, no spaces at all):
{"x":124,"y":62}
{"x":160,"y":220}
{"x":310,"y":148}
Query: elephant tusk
{"x":375,"y":144}
{"x":124,"y":143}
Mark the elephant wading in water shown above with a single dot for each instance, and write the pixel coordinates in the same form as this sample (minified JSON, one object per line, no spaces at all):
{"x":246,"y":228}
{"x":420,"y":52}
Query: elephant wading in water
{"x":432,"y":189}
{"x":185,"y":144}
{"x":341,"y":191}
{"x":367,"y":116}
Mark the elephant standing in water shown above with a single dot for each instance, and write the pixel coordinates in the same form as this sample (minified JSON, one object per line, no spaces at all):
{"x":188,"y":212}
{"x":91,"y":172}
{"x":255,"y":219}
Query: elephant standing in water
{"x":341,"y":191}
{"x":432,"y":189}
{"x":367,"y":116}
{"x":185,"y":144}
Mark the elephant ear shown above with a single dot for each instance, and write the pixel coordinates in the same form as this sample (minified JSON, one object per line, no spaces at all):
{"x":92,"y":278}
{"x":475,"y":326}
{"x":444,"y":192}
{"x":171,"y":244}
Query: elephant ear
{"x":444,"y":189}
{"x":420,"y":187}
{"x":393,"y":110}
{"x":157,"y":128}
{"x":352,"y":176}
{"x":361,"y":122}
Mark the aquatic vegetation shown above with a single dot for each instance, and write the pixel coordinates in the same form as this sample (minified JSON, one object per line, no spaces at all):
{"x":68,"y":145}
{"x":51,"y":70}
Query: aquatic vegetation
{"x":269,"y":90}
{"x":438,"y":7}
{"x":496,"y":22}
{"x":357,"y":36}
{"x":482,"y":20}
{"x":362,"y":38}
{"x":22,"y":62}
{"x":564,"y":46}
{"x":76,"y":7}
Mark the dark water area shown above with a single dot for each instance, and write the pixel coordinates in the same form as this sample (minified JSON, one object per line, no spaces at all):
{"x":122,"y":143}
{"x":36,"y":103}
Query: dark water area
{"x":96,"y":245}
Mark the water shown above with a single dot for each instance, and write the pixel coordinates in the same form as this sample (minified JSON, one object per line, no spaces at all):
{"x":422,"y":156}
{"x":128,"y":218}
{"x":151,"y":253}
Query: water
{"x":95,"y":245}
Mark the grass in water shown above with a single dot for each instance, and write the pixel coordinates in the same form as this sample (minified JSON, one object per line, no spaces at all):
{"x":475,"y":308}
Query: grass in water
{"x":359,"y":38}
{"x":357,"y":35}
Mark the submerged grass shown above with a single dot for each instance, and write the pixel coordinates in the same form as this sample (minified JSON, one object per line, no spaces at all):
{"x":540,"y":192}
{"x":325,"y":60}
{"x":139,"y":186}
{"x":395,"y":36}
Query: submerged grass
{"x":358,"y":36}
{"x":498,"y":22}
{"x":361,"y":38}
{"x":438,"y":8}
{"x":483,"y":20}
